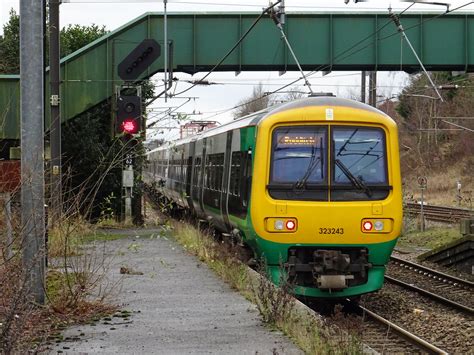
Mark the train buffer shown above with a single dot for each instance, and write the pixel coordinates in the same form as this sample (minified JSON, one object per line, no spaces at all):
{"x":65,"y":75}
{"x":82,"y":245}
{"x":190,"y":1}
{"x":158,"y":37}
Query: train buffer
{"x":177,"y":305}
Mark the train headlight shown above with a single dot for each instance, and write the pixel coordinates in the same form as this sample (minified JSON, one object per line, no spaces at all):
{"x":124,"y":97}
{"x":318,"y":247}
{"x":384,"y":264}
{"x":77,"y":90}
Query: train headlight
{"x":379,"y":225}
{"x":279,"y":225}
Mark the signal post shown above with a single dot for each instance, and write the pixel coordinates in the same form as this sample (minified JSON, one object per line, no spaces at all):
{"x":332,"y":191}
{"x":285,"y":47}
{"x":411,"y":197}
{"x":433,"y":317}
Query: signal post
{"x":128,"y":124}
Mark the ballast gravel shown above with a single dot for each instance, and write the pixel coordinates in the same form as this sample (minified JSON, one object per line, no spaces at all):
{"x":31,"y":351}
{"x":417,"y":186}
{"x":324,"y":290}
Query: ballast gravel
{"x":173,"y":304}
{"x":439,"y":325}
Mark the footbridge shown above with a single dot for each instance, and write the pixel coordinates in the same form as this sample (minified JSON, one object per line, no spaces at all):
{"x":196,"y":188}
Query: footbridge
{"x":197,"y":41}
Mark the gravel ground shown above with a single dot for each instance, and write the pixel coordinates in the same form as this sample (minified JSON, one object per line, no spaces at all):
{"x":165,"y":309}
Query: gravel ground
{"x":435,"y":323}
{"x":176,"y":305}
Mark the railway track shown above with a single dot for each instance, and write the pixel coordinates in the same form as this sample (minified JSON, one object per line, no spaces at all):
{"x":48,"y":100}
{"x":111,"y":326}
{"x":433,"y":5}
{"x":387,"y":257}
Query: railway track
{"x":386,"y":337}
{"x":439,"y":213}
{"x":443,"y":288}
{"x":376,"y":333}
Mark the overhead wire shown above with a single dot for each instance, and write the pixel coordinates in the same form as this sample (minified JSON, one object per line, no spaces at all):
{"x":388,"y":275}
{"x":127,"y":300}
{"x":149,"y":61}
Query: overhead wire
{"x":264,"y":11}
{"x":336,"y":58}
{"x":321,"y":67}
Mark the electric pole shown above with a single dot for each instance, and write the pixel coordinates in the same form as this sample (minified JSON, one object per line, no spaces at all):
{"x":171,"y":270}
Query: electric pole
{"x":55,"y":129}
{"x":32,"y":146}
{"x":373,"y":88}
{"x":362,"y":86}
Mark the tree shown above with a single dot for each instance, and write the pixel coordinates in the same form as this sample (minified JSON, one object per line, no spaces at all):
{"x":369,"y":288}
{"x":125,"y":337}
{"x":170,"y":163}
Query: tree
{"x":255,"y":102}
{"x":74,"y":37}
{"x":295,"y":93}
{"x":421,"y":110}
{"x":10,"y":45}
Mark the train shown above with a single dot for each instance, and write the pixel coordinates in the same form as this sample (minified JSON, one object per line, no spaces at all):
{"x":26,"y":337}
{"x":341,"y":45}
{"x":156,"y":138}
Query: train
{"x":311,"y":186}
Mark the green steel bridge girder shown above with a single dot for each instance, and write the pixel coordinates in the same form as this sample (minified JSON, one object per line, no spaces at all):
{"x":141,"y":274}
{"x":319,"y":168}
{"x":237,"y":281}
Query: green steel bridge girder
{"x":321,"y":41}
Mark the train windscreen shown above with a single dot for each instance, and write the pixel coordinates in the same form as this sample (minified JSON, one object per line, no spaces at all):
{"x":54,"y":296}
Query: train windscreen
{"x":298,"y":155}
{"x":357,"y":157}
{"x":359,"y":170}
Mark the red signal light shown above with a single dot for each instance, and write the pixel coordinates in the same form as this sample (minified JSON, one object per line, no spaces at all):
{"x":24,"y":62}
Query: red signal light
{"x":129,"y":126}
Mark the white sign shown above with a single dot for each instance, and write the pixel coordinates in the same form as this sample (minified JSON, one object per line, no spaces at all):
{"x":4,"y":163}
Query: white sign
{"x":127,"y":178}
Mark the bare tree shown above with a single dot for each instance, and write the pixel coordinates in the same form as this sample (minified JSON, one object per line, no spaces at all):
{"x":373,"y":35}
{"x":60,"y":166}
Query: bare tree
{"x":255,"y":102}
{"x":295,"y":93}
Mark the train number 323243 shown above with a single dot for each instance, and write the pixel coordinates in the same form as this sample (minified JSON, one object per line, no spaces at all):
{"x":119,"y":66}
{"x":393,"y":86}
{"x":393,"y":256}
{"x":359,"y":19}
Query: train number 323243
{"x":331,"y":230}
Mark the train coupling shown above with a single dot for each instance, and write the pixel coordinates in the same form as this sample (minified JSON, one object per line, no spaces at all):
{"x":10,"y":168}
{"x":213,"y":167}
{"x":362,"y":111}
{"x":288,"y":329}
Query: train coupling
{"x":328,"y":269}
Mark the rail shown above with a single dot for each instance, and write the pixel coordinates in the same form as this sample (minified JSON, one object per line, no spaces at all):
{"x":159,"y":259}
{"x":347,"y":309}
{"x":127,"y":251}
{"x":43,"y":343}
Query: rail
{"x":434,"y":273}
{"x":465,"y":309}
{"x":421,"y":344}
{"x":439,"y":213}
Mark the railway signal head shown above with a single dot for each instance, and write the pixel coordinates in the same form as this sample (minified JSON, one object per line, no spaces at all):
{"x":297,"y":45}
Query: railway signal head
{"x":139,"y":59}
{"x":129,"y":115}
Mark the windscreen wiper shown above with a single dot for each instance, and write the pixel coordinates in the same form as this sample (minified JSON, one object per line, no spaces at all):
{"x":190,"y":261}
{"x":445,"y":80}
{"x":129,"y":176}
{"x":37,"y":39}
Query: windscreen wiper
{"x":355,"y":181}
{"x":313,"y":163}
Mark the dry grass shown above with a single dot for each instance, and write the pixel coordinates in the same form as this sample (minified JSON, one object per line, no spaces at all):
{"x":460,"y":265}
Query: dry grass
{"x":276,"y":304}
{"x":442,"y":185}
{"x":71,"y":285}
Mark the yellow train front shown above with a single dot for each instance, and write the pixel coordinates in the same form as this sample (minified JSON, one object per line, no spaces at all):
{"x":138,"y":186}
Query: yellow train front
{"x":326,"y":202}
{"x":312,"y":186}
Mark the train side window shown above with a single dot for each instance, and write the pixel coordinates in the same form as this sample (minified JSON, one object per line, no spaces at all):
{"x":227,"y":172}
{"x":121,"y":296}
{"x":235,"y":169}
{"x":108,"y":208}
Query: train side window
{"x":219,"y":171}
{"x":235,"y":176}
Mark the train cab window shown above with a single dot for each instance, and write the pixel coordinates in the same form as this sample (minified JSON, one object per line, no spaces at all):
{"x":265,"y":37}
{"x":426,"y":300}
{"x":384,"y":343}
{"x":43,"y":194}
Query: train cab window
{"x":298,"y":163}
{"x":359,"y":164}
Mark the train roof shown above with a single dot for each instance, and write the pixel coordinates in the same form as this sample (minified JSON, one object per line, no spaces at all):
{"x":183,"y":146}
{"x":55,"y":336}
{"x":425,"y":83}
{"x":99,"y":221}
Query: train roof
{"x":254,"y":118}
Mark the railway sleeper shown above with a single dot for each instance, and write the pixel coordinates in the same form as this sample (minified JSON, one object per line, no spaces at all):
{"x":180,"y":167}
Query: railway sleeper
{"x":328,"y":269}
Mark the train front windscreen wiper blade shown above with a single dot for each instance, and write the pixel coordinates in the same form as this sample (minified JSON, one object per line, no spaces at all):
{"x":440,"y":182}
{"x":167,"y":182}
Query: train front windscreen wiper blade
{"x":355,"y":181}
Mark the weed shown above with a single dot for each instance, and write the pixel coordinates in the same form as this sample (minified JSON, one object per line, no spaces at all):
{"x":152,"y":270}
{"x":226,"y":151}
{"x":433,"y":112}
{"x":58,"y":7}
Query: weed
{"x":276,"y":304}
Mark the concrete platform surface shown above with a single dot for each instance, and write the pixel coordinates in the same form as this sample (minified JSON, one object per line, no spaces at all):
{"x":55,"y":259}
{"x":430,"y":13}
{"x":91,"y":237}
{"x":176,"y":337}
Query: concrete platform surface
{"x":178,"y":306}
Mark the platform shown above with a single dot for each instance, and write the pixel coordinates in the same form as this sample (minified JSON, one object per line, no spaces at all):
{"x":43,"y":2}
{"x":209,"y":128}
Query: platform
{"x":178,"y":306}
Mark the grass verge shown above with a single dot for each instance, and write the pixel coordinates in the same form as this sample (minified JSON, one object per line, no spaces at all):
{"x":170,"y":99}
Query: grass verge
{"x":278,"y":308}
{"x":429,"y":239}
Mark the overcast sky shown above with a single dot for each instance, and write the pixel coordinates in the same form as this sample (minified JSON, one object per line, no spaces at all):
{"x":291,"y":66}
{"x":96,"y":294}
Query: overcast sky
{"x":115,"y":13}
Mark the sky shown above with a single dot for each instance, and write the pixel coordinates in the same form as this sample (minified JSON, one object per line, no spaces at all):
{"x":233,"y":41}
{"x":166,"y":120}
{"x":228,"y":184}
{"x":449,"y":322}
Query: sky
{"x":214,"y":102}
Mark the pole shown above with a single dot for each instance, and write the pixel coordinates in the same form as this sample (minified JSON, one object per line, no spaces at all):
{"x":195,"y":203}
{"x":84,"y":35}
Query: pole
{"x":165,"y":31}
{"x":362,"y":86}
{"x":373,"y":88}
{"x":55,"y":132}
{"x":422,"y":212}
{"x":32,"y":145}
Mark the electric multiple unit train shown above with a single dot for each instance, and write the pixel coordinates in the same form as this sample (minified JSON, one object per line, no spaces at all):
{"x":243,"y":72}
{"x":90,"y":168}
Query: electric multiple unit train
{"x":312,"y":186}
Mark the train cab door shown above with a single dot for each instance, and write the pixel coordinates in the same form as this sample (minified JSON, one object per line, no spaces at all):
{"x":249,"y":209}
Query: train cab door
{"x":224,"y":200}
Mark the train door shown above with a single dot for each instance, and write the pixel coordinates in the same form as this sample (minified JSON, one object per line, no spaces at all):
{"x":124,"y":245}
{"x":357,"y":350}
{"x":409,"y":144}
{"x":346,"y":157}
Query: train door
{"x":224,"y":200}
{"x":189,"y":175}
{"x":201,"y":175}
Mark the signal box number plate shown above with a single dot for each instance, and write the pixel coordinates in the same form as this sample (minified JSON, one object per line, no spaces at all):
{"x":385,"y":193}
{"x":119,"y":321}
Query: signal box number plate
{"x":331,"y":230}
